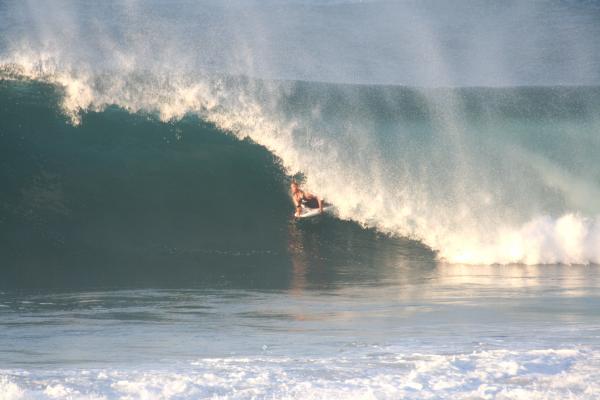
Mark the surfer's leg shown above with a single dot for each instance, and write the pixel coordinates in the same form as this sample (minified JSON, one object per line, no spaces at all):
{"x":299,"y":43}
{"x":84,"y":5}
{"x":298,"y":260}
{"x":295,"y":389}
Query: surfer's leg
{"x":312,"y":203}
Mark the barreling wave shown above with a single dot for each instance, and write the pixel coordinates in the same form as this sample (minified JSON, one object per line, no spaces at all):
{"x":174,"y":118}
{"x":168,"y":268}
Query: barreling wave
{"x":480,"y":175}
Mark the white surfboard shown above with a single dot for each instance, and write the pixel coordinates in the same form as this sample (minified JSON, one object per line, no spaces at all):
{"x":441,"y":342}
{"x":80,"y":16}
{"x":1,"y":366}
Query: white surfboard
{"x":313,"y":212}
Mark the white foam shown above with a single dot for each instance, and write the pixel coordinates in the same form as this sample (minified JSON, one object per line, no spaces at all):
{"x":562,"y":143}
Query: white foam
{"x":10,"y":390}
{"x":569,"y":239}
{"x":538,"y":373}
{"x":58,"y":391}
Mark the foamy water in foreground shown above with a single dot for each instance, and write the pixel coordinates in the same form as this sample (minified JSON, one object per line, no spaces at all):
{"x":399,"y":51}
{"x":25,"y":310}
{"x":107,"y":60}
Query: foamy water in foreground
{"x":447,"y":332}
{"x":503,"y":374}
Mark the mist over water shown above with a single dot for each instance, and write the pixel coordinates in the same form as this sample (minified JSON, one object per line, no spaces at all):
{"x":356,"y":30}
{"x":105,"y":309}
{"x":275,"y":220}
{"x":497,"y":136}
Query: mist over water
{"x":414,"y":43}
{"x":501,"y":174}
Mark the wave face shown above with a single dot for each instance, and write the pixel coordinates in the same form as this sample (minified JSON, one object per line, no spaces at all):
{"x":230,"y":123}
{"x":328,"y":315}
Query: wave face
{"x":504,"y":174}
{"x":124,"y":192}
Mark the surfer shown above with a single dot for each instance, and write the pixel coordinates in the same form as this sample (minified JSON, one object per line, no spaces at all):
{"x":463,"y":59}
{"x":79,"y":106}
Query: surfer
{"x":302,"y":198}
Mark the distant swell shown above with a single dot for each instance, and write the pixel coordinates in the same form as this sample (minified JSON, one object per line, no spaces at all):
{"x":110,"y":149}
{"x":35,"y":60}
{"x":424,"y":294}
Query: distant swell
{"x":480,"y":175}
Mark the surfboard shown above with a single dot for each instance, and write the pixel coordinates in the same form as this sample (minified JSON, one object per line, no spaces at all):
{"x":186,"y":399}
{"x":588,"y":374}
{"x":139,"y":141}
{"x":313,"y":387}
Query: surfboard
{"x":313,"y":212}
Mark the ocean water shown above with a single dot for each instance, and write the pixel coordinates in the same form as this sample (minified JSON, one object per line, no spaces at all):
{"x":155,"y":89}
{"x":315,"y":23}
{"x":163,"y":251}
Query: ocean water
{"x":420,"y":330}
{"x":147,"y":245}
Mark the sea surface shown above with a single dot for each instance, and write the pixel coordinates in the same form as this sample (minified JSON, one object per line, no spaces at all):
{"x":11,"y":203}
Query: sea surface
{"x":148,"y":248}
{"x":419,"y":330}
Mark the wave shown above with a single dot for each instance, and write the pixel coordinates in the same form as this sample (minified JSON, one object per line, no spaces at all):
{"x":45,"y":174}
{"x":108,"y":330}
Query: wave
{"x":467,"y":155}
{"x":481,"y":175}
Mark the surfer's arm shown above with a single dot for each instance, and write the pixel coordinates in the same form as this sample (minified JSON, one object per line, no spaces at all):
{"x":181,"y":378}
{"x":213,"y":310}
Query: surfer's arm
{"x":298,"y":207}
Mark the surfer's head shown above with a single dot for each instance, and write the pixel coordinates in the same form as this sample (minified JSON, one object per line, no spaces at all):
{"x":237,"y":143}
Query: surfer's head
{"x":294,"y":187}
